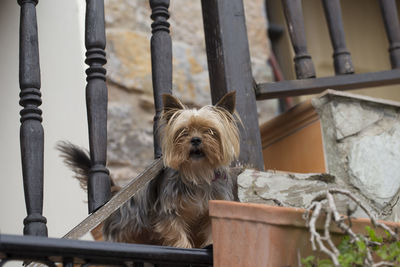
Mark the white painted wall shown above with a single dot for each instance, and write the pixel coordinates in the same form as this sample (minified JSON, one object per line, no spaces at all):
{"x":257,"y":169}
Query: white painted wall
{"x":60,"y":25}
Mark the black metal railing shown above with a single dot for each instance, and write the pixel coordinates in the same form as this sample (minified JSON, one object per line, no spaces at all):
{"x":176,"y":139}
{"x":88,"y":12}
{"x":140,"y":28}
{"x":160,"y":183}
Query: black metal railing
{"x":50,"y":251}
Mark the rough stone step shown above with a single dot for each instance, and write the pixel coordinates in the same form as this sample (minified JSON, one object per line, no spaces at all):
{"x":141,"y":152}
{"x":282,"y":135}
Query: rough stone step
{"x":292,"y":189}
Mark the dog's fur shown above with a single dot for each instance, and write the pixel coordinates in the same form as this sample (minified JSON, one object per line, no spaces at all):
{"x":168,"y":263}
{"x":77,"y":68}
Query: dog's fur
{"x":198,"y":147}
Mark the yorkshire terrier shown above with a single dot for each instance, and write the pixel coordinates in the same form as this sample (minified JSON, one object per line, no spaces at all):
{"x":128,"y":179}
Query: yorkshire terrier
{"x":198,"y":146}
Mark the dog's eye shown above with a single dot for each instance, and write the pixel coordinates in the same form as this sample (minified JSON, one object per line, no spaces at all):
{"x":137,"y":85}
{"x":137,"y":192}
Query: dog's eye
{"x":184,"y":132}
{"x":211,"y":132}
{"x":181,"y":133}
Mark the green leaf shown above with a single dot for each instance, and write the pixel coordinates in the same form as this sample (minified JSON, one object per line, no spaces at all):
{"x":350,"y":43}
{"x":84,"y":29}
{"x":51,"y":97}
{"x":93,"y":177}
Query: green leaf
{"x":345,"y":245}
{"x":393,"y":251}
{"x":361,"y":246}
{"x":387,"y":234}
{"x":346,"y":259}
{"x":383,"y":252}
{"x":372,"y":235}
{"x":325,"y":263}
{"x":307,"y":262}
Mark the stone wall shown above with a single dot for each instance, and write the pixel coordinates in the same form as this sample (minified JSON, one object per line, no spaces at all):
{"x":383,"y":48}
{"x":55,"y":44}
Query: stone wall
{"x":361,"y":142}
{"x":131,"y":110}
{"x":362,"y":146}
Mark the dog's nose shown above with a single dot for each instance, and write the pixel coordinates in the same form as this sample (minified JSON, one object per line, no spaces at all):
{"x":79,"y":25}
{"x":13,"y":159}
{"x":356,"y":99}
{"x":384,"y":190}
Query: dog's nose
{"x":195,"y":141}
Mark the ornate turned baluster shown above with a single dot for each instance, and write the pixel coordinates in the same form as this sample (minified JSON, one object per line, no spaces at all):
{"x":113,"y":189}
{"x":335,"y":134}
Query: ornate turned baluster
{"x":391,"y":20}
{"x":294,"y":18}
{"x":341,"y":56}
{"x":31,"y":131}
{"x":96,"y":100}
{"x":161,"y":61}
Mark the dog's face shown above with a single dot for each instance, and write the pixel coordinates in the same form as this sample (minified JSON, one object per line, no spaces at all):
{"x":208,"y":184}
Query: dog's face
{"x":207,"y":138}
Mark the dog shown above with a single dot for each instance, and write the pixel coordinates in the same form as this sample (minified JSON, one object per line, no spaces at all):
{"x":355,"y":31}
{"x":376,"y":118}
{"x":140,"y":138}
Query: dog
{"x":198,"y":146}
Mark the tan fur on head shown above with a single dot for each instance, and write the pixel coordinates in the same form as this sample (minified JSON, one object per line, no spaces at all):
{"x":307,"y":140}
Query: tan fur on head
{"x":216,"y":129}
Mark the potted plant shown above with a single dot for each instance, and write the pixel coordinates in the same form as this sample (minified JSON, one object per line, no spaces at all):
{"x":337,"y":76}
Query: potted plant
{"x":247,"y":234}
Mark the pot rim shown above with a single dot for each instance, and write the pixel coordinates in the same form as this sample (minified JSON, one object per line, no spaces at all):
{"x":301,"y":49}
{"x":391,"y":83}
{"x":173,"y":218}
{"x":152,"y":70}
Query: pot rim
{"x":280,"y":216}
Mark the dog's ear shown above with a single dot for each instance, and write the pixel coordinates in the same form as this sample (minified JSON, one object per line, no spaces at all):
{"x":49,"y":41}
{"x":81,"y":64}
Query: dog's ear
{"x":170,"y":105}
{"x":170,"y":102}
{"x":228,"y":102}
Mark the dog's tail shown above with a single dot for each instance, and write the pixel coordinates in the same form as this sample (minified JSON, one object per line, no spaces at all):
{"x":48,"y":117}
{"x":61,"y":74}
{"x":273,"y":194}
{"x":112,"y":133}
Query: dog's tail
{"x":77,"y":159}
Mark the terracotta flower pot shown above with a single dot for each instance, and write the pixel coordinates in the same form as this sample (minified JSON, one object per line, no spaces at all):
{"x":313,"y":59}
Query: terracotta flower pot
{"x":246,"y":234}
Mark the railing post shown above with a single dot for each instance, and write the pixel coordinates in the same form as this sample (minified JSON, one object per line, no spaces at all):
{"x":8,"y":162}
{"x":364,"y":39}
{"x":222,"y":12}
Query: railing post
{"x":96,"y":101}
{"x":341,"y":56}
{"x":303,"y":64}
{"x":31,"y":131}
{"x":391,"y":20}
{"x":230,"y":69}
{"x":161,"y":62}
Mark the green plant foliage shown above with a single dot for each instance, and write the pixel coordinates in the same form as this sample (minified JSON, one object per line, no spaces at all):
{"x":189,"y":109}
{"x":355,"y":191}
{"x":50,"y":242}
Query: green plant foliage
{"x":353,"y":253}
{"x":389,"y":252}
{"x":372,"y":235}
{"x":308,"y":262}
{"x":325,"y":263}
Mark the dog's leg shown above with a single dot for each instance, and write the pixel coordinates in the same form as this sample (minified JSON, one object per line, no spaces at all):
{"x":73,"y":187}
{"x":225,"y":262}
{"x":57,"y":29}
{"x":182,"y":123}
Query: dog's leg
{"x":173,"y":230}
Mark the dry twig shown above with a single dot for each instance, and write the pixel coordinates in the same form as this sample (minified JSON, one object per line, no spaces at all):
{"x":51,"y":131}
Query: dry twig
{"x":325,"y":203}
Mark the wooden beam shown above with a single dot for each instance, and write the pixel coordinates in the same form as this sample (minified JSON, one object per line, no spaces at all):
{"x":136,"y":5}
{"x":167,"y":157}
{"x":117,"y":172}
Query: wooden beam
{"x":229,"y":68}
{"x":318,"y":85}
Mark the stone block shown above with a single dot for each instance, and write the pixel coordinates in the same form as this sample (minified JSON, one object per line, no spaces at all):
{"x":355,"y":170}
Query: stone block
{"x":361,"y":137}
{"x":290,"y":189}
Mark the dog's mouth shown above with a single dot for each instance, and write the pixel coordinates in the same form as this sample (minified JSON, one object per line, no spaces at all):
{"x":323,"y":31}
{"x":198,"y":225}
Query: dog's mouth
{"x":196,"y":153}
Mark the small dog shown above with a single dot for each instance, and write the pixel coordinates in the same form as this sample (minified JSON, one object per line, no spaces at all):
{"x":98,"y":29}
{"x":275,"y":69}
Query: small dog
{"x":198,"y":148}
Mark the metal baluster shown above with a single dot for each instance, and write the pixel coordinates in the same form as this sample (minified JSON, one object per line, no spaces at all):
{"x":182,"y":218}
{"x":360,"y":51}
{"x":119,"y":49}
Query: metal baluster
{"x":96,"y":100}
{"x":161,"y":62}
{"x":303,"y":64}
{"x":229,"y":68}
{"x":68,"y":262}
{"x":341,"y":56}
{"x":391,"y":20}
{"x":31,"y":130}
